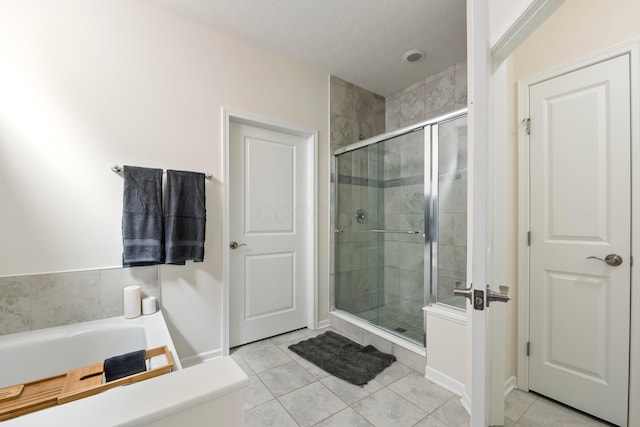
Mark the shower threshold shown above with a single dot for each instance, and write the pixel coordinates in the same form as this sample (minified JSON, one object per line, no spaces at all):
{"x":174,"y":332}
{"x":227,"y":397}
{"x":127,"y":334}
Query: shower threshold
{"x":387,"y":334}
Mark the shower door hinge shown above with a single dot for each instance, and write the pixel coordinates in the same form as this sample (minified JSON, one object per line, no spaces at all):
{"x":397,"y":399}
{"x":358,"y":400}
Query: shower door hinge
{"x":529,"y":238}
{"x":527,"y":125}
{"x":528,"y":348}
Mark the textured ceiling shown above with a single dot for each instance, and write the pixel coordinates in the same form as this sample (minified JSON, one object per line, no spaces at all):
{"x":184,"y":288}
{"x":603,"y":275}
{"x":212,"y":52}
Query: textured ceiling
{"x":361,"y":41}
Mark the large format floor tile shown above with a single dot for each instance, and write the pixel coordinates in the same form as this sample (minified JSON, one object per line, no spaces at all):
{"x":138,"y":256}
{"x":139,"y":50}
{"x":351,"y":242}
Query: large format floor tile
{"x":286,"y":390}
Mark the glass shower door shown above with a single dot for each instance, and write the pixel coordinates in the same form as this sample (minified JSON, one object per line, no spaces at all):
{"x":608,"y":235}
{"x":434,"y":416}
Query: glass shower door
{"x":450,"y":178}
{"x":380,"y":241}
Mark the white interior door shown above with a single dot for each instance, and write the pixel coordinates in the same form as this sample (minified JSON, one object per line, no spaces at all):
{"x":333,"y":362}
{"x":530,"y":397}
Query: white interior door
{"x":580,"y":191}
{"x":268,"y":184}
{"x":479,"y":73}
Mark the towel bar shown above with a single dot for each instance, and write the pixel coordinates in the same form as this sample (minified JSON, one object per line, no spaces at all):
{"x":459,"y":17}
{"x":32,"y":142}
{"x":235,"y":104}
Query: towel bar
{"x":118,"y":169}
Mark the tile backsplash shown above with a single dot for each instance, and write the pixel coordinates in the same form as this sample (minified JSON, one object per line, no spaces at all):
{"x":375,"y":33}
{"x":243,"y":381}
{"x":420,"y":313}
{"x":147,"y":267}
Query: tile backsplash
{"x":53,"y":299}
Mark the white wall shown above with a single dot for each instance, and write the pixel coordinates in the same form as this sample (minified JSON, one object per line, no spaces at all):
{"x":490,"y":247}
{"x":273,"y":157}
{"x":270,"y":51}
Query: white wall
{"x":502,"y":15}
{"x":85,"y":84}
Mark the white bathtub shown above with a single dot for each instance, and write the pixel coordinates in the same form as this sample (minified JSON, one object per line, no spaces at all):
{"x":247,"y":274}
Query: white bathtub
{"x":195,"y":396}
{"x":52,"y":351}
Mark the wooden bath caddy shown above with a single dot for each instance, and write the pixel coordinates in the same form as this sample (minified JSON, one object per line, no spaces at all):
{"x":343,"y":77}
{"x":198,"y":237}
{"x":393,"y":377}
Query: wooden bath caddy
{"x":22,"y":399}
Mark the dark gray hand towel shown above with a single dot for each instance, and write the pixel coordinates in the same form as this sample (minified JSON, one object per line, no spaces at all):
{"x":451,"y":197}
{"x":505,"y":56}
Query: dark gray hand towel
{"x":142,"y":227}
{"x":184,"y":217}
{"x":121,"y":366}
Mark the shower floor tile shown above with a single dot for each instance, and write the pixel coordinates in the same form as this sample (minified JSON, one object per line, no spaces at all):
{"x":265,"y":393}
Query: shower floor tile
{"x":397,"y":322}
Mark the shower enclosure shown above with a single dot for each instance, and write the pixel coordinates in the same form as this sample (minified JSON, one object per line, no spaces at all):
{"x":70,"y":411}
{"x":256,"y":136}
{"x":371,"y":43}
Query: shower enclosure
{"x":401,"y":224}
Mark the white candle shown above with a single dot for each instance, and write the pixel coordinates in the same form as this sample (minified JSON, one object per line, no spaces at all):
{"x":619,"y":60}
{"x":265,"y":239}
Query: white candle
{"x":148,"y":305}
{"x":132,"y":303}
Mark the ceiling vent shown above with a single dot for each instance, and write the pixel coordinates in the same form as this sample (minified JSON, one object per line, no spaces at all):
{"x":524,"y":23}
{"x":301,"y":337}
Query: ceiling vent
{"x":413,"y":55}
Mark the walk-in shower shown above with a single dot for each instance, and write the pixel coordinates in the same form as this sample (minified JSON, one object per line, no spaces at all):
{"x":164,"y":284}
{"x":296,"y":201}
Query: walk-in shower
{"x":401,"y":224}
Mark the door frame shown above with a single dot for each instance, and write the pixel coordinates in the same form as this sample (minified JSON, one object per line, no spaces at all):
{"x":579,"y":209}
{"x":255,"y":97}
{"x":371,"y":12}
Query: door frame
{"x":632,"y":48}
{"x":311,"y":221}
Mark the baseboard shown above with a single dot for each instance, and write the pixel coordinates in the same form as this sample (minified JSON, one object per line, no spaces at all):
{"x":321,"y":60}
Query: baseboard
{"x":200,"y":358}
{"x":459,"y":388}
{"x":324,"y":324}
{"x":444,"y":380}
{"x":465,"y":400}
{"x":510,"y":384}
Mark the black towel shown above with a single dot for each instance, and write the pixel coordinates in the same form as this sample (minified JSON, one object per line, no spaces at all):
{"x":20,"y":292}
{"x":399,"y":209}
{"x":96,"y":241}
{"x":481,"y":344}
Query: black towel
{"x":184,"y":217}
{"x":117,"y":367}
{"x":142,"y":228}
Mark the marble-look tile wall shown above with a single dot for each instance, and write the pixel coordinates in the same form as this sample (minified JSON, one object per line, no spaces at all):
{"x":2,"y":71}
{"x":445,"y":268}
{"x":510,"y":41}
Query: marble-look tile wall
{"x":452,"y":243}
{"x":404,"y":211}
{"x":355,"y":114}
{"x":46,"y":300}
{"x":452,"y":210}
{"x":438,"y":94}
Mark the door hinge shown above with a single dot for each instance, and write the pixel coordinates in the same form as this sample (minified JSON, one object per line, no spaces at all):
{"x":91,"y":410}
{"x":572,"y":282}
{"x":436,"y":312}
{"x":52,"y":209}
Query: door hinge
{"x":527,"y":125}
{"x":528,"y":348}
{"x":529,"y":238}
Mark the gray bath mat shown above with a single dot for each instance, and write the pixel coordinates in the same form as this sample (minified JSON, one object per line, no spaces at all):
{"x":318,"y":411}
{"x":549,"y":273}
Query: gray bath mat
{"x":343,"y":358}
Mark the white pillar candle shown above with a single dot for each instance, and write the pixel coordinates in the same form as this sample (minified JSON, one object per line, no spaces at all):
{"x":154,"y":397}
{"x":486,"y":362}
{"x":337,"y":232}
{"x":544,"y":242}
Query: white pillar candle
{"x":132,"y":303}
{"x":148,"y":305}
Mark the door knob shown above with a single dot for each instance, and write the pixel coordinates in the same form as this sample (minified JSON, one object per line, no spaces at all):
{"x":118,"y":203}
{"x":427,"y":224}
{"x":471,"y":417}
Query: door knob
{"x":613,"y":260}
{"x":475,"y":296}
{"x":461,"y":291}
{"x":235,"y":245}
{"x":502,"y":296}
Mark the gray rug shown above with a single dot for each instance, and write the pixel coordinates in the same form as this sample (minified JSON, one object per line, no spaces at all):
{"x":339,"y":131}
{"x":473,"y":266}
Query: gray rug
{"x":343,"y":358}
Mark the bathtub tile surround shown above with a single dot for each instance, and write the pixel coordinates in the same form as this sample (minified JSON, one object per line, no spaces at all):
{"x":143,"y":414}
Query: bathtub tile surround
{"x":45,"y":300}
{"x":61,"y":299}
{"x":15,"y":305}
{"x":438,"y":94}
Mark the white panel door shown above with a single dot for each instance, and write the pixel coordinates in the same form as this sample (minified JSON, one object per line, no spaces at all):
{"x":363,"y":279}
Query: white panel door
{"x":267,"y":185}
{"x":580,"y":151}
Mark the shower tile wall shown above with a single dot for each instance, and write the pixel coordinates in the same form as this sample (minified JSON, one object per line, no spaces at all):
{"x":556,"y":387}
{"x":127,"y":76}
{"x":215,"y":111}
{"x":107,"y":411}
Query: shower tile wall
{"x":355,"y":114}
{"x":438,"y":94}
{"x":452,"y":210}
{"x":403,"y":211}
{"x":46,"y":300}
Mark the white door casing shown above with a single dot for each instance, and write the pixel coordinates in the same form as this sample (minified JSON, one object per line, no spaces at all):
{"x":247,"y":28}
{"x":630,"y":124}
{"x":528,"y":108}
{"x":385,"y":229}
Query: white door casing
{"x":271,"y":216}
{"x":479,"y":229}
{"x":580,"y":206}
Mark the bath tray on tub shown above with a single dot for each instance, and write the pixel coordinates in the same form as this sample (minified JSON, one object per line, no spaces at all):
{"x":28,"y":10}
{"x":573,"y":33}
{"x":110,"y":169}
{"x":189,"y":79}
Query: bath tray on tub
{"x":22,"y":399}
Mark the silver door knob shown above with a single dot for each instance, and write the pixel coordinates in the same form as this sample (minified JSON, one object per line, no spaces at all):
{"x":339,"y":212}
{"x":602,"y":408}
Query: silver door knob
{"x":236,"y":245}
{"x":461,"y":291}
{"x":502,"y":296}
{"x":613,"y":260}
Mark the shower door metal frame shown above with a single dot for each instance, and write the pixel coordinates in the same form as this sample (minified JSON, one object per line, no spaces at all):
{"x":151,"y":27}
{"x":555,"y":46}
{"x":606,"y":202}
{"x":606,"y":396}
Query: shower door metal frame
{"x":431,"y":297}
{"x":430,"y":234}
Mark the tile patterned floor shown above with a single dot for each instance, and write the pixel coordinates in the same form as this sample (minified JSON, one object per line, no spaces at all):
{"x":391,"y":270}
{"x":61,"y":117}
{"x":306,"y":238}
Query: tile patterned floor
{"x":286,"y":390}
